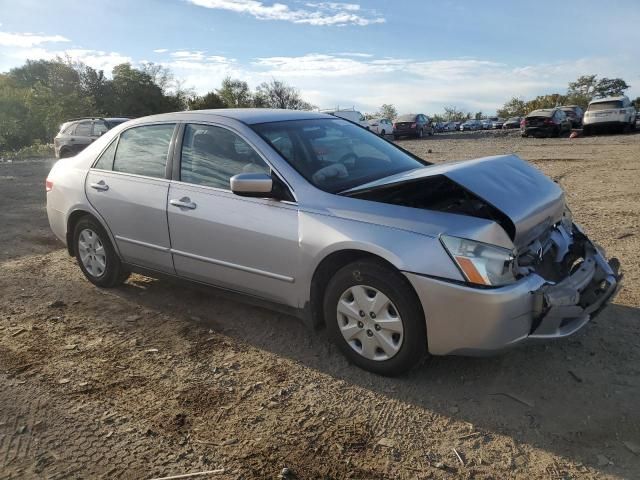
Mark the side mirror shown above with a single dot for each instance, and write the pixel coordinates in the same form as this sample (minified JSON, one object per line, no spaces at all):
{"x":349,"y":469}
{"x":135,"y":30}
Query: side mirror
{"x":252,"y":185}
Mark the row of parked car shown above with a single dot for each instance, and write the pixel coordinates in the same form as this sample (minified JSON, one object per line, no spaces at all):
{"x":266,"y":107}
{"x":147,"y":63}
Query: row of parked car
{"x":611,"y":112}
{"x":603,"y":113}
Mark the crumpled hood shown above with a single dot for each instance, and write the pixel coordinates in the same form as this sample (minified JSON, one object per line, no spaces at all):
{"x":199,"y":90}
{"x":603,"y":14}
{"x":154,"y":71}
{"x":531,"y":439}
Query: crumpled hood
{"x":531,"y":200}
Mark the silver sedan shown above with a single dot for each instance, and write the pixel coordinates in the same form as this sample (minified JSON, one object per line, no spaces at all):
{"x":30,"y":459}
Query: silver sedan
{"x":396,"y":257}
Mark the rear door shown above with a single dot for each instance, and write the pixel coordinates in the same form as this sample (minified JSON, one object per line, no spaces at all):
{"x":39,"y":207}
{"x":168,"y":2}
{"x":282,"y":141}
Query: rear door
{"x":128,"y":186}
{"x":217,"y":237}
{"x":81,"y":136}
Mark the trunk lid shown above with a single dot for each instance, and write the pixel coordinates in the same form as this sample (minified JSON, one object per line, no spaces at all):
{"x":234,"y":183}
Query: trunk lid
{"x":531,"y":200}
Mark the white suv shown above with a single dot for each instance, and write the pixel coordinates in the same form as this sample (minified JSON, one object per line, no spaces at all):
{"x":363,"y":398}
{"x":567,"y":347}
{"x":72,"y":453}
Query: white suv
{"x":616,"y":112}
{"x":352,"y":115}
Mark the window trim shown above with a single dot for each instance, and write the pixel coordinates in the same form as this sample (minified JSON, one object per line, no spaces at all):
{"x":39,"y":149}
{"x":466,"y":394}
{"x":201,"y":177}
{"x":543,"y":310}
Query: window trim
{"x":177,"y":164}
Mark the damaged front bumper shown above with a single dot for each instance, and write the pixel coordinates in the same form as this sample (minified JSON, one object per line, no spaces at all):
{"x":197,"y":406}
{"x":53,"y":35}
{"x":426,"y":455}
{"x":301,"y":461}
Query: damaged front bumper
{"x":466,"y":320}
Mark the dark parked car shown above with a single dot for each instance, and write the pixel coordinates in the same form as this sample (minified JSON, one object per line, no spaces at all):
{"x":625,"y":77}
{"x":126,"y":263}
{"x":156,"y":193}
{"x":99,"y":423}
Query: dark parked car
{"x":548,"y":122}
{"x":412,"y":125}
{"x":513,"y":122}
{"x":575,"y":114}
{"x":75,"y":135}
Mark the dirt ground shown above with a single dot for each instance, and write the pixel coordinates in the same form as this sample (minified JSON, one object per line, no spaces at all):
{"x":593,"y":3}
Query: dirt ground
{"x":158,"y":378}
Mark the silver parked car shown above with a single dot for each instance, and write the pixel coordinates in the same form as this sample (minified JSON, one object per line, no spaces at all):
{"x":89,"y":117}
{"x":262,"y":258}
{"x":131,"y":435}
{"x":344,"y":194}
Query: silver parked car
{"x":396,"y":257}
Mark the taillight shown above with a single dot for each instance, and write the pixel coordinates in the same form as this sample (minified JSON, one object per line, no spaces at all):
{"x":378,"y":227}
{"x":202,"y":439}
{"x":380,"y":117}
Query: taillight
{"x":48,"y":185}
{"x":549,"y":121}
{"x":394,"y":125}
{"x":413,"y":125}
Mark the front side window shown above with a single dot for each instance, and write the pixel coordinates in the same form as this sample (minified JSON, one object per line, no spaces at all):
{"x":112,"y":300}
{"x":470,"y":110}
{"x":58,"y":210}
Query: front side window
{"x":212,"y":155}
{"x":143,"y":150}
{"x":83,"y":129}
{"x":99,"y":128}
{"x":335,"y":155}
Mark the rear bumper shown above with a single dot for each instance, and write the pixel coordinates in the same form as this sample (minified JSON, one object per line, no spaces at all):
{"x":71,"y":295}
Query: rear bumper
{"x":463,"y":320}
{"x":594,"y":123}
{"x":540,"y":130}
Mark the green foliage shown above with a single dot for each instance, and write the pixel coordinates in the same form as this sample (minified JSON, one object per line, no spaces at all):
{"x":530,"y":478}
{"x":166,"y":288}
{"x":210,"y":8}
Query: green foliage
{"x":388,"y":111}
{"x":277,"y":94}
{"x":580,"y":92}
{"x":235,"y":93}
{"x":453,"y":114}
{"x":210,"y":100}
{"x":516,"y":107}
{"x":36,"y":98}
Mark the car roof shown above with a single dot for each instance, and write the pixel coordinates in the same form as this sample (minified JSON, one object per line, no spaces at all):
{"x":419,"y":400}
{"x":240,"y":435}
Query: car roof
{"x":248,"y":116}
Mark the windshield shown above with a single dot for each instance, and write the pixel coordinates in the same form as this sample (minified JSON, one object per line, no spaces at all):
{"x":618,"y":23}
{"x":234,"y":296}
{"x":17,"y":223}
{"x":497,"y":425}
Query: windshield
{"x":606,"y":105}
{"x":335,"y":155}
{"x":407,"y":118}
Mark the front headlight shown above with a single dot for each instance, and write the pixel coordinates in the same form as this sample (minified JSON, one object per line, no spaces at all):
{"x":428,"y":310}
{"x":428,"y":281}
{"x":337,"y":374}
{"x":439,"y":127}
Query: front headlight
{"x":481,"y":263}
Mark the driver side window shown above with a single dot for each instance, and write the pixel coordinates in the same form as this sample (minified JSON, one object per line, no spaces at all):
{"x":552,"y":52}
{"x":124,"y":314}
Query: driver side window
{"x":212,"y":155}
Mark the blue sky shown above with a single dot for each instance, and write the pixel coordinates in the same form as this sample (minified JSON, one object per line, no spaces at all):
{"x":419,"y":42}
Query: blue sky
{"x":417,"y":54}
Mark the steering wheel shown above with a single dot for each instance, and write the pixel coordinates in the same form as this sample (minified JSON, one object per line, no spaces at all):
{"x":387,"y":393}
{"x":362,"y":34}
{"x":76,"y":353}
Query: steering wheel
{"x":348,"y":159}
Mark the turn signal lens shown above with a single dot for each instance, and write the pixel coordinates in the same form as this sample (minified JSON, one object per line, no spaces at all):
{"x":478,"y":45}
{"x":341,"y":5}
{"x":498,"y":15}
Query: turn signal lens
{"x":481,"y":263}
{"x":48,"y":185}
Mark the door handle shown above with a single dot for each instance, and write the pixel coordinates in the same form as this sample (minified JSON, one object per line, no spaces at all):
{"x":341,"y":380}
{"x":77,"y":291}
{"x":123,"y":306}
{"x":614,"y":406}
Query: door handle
{"x":184,"y":202}
{"x":100,"y":186}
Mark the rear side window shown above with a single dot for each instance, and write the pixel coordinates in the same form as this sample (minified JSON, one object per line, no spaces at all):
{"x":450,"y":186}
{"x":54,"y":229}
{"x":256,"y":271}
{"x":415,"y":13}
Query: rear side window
{"x":83,"y":129}
{"x":99,"y":128}
{"x":144,"y":150}
{"x":105,"y":162}
{"x":212,"y":155}
{"x":605,"y":105}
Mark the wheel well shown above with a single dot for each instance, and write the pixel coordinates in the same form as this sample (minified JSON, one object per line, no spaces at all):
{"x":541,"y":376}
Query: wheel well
{"x":325,"y":270}
{"x":71,"y":226}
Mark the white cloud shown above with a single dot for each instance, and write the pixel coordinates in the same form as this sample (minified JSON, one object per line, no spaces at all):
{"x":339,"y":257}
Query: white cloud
{"x":25,"y":40}
{"x":188,"y":55}
{"x":97,"y":59}
{"x":319,"y":14}
{"x":161,"y":50}
{"x":473,"y":84}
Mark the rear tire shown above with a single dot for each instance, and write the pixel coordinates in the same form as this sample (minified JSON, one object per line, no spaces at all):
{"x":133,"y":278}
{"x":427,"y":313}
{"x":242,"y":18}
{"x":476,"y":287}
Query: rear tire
{"x":420,"y":133}
{"x":96,"y":256}
{"x":402,"y":350}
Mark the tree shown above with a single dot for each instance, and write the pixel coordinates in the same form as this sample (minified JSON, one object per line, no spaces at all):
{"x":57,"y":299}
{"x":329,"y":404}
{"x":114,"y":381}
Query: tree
{"x":586,"y":87}
{"x":277,"y":94}
{"x":388,"y":110}
{"x":452,"y":114}
{"x":478,"y":115}
{"x":610,"y":87}
{"x":235,"y":93}
{"x":516,"y":107}
{"x":136,"y":93}
{"x":210,"y":100}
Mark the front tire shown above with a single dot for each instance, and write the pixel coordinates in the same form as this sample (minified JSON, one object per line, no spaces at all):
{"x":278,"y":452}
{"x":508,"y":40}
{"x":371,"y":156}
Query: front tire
{"x":375,"y":318}
{"x":96,"y":256}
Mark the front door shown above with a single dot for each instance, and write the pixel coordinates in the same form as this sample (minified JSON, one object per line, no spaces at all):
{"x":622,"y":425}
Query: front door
{"x":128,"y":186}
{"x":217,"y":237}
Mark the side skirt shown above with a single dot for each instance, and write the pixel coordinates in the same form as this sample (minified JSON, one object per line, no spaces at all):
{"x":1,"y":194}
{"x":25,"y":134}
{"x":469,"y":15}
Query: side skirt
{"x":229,"y":294}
